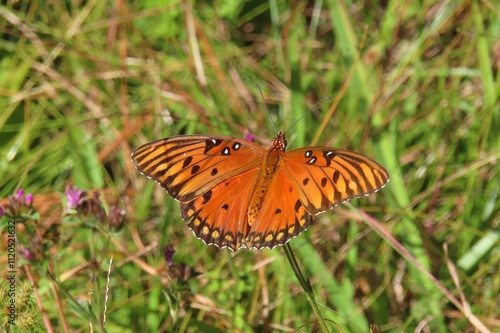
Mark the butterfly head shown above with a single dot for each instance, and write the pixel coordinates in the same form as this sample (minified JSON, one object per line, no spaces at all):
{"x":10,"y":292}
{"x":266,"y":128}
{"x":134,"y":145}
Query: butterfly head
{"x":279,"y":142}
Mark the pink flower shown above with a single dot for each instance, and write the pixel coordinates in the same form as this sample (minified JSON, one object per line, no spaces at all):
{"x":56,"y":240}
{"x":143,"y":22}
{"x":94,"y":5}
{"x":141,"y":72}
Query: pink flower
{"x":72,"y":196}
{"x":29,"y":199}
{"x":20,"y":194}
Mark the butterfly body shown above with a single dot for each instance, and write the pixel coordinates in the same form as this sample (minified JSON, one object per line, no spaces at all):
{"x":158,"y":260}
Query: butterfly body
{"x":236,"y":194}
{"x":269,"y":168}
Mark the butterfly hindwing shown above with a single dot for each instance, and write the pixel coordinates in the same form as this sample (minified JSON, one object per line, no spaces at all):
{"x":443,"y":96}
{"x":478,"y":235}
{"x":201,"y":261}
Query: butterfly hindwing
{"x":189,"y":165}
{"x":281,"y":218}
{"x":219,"y":216}
{"x":325,"y":177}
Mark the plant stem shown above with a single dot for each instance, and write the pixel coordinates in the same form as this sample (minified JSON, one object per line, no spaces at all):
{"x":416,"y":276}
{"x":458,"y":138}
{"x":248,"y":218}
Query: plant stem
{"x":306,"y":285}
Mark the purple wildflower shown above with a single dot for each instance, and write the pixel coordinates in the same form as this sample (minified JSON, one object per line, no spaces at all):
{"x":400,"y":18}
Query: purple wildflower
{"x":72,"y":196}
{"x":20,"y":195}
{"x":27,"y":253}
{"x":18,"y":205}
{"x":249,"y":137}
{"x":168,"y":252}
{"x":29,"y":199}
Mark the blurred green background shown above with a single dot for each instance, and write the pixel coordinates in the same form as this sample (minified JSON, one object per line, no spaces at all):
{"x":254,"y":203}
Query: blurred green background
{"x":82,"y":83}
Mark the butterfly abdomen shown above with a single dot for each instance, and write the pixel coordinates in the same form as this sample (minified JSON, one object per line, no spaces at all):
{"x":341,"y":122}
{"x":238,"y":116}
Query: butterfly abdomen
{"x":270,"y":167}
{"x":257,"y":200}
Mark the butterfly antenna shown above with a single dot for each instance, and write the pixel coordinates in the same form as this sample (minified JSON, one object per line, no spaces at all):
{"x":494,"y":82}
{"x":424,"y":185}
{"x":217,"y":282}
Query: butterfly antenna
{"x":268,"y":113}
{"x":310,"y":110}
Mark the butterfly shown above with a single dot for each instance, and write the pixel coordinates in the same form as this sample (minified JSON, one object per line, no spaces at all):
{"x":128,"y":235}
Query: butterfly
{"x":234,"y":193}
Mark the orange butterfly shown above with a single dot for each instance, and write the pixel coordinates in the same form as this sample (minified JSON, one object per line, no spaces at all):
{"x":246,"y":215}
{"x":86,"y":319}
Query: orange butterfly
{"x":236,"y":194}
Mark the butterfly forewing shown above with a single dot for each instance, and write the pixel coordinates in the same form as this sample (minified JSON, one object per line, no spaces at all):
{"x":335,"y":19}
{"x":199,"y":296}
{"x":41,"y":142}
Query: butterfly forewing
{"x":325,"y":177}
{"x":189,"y":165}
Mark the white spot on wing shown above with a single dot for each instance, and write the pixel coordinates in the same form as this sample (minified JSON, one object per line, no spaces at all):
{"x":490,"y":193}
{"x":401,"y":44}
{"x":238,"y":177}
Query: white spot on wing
{"x":312,"y":160}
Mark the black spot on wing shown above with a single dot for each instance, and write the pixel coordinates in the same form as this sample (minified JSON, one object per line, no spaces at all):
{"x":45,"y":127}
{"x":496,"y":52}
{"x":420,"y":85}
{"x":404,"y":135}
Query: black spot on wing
{"x":312,"y":160}
{"x":298,"y":204}
{"x":324,"y":181}
{"x":328,"y":155}
{"x":206,"y":197}
{"x":336,"y":176}
{"x":187,"y":161}
{"x":195,"y":169}
{"x":210,"y":143}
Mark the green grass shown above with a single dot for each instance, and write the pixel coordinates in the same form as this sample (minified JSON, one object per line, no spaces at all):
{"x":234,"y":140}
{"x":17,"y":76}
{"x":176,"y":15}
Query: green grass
{"x":82,"y":85}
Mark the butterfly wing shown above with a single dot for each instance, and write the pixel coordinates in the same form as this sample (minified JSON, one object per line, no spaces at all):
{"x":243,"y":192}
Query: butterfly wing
{"x":324,"y":177}
{"x":281,"y":218}
{"x":215,"y":196}
{"x":219,"y":216}
{"x":188,"y":166}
